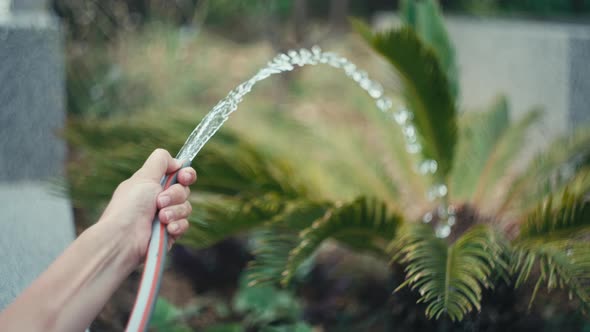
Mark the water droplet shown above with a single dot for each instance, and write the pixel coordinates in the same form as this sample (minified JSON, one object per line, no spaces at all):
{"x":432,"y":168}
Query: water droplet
{"x":409,"y":131}
{"x":384,"y":104}
{"x":350,"y":68}
{"x":413,"y":148}
{"x":451,"y":220}
{"x":401,"y":116}
{"x":451,"y":210}
{"x":375,"y":90}
{"x":443,"y":231}
{"x":284,"y":57}
{"x":316,"y":50}
{"x":442,"y":190}
{"x":428,"y":166}
{"x":427,"y":217}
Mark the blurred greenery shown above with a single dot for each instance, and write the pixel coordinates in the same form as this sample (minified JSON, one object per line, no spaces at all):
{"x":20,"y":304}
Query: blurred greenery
{"x":261,"y":308}
{"x":308,"y":161}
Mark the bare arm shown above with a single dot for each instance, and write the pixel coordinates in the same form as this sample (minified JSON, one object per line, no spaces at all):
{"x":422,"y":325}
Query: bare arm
{"x":75,"y":287}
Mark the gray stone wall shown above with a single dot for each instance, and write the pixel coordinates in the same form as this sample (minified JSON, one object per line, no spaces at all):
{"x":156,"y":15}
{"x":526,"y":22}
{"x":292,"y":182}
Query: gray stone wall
{"x":35,"y":223}
{"x":533,"y":63}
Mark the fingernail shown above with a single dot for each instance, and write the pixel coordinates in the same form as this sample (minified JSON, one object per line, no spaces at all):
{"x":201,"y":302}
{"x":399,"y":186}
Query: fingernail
{"x":188,"y":176}
{"x":173,"y":227}
{"x":168,"y":215}
{"x":164,"y":200}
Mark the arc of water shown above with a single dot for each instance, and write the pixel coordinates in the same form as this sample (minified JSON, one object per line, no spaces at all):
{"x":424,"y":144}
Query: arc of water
{"x":222,"y":110}
{"x":288,"y":62}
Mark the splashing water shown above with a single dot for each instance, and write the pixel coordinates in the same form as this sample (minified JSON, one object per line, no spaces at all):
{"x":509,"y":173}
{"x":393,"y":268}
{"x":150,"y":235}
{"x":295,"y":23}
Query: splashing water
{"x":288,"y":62}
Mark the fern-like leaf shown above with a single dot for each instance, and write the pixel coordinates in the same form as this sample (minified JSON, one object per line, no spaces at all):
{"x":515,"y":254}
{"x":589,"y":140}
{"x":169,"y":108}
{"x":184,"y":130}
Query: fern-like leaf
{"x":273,"y":243}
{"x":217,"y":218}
{"x":479,"y":136}
{"x":449,"y":278}
{"x":359,"y":223}
{"x":426,"y":89}
{"x":551,"y":171}
{"x":554,"y":237}
{"x":426,"y":18}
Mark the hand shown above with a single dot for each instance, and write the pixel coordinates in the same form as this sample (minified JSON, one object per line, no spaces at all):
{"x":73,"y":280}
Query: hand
{"x":136,"y":200}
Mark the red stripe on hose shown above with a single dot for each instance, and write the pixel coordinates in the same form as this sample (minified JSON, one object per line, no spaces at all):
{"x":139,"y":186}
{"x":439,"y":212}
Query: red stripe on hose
{"x":145,"y":317}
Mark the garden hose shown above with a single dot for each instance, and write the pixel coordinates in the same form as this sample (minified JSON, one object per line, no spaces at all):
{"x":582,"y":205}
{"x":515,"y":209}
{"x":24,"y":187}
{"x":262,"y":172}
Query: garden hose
{"x":153,"y":268}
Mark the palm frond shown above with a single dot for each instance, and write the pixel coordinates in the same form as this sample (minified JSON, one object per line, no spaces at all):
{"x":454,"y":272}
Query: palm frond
{"x":109,"y":151}
{"x":271,"y":249}
{"x":426,"y":18}
{"x":449,"y":278}
{"x":562,"y":213}
{"x":217,"y":218}
{"x":426,"y":89}
{"x":549,"y":172}
{"x":554,"y":237}
{"x":360,"y":223}
{"x":505,"y":152}
{"x":479,"y":136}
{"x":274,"y":242}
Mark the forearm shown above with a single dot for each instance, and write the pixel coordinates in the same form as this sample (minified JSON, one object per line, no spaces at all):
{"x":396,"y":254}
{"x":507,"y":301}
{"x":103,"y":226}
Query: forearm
{"x":73,"y":290}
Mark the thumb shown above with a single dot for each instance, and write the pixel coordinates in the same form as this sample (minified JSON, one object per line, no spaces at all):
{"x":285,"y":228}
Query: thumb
{"x":158,"y":164}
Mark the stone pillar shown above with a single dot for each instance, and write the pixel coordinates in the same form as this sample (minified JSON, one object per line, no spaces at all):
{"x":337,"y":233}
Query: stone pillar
{"x":579,"y":54}
{"x":35,"y":222}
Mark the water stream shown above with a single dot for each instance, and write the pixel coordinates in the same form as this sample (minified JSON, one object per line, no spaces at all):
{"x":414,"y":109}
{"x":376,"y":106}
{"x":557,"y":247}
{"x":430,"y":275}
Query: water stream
{"x":288,"y":62}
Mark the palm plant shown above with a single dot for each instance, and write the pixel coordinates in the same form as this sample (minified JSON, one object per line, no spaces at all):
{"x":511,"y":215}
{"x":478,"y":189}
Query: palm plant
{"x":527,"y":223}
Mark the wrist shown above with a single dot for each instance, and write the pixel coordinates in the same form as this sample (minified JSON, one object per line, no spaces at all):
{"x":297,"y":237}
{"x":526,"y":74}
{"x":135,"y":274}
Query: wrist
{"x":115,"y":240}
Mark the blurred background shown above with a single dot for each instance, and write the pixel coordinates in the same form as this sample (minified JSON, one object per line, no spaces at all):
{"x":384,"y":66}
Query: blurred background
{"x":88,"y":88}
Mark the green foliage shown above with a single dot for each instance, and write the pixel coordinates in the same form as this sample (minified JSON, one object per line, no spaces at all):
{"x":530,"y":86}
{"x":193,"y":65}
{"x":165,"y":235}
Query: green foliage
{"x":449,"y":278}
{"x":267,"y":308}
{"x":550,"y":171}
{"x":273,"y":244}
{"x":359,"y":224}
{"x":505,"y":152}
{"x":290,"y":197}
{"x":488,"y":144}
{"x":426,"y":90}
{"x":167,"y":317}
{"x":554,"y":238}
{"x":426,"y":19}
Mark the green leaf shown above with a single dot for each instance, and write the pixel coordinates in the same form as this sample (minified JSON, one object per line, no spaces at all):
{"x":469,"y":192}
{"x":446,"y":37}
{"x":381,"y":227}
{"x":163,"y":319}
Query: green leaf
{"x":273,"y":243}
{"x":217,"y":218}
{"x":480,"y":134}
{"x":449,"y":278}
{"x":229,"y":327}
{"x":426,"y":19}
{"x":359,"y":223}
{"x":554,"y":238}
{"x":299,"y":327}
{"x":549,"y":172}
{"x":426,"y":90}
{"x":505,"y":152}
{"x":167,"y":317}
{"x":565,"y":215}
{"x":265,"y":304}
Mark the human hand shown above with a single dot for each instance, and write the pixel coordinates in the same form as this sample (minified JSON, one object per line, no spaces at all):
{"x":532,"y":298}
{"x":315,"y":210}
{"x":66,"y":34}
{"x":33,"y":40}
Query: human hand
{"x":136,"y":200}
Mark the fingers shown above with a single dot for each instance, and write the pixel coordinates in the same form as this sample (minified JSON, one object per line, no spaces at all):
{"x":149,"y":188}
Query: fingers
{"x":176,"y":229}
{"x":187,"y":176}
{"x":176,"y":194}
{"x":175,"y":212}
{"x":159,"y":163}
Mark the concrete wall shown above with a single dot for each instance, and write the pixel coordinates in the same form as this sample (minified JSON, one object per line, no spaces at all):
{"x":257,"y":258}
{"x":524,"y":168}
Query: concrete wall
{"x":35,"y":223}
{"x":533,"y":63}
